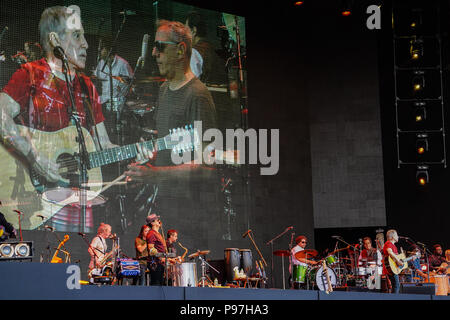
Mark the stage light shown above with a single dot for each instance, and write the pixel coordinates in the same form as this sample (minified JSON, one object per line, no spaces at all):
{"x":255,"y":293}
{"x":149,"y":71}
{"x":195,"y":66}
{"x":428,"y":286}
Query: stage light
{"x":416,"y":49}
{"x":422,"y":146}
{"x":346,"y":8}
{"x":22,"y":250}
{"x":418,"y":83}
{"x":6,"y":250}
{"x":420,"y":114}
{"x":16,"y":250}
{"x":298,"y":3}
{"x":422,"y":177}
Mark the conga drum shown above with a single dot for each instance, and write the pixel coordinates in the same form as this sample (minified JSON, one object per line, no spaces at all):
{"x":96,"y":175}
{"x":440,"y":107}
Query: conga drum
{"x":246,"y":261}
{"x":232,"y":260}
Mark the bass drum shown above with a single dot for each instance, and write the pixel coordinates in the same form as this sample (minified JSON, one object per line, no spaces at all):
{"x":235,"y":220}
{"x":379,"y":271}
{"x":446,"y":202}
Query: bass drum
{"x":232,"y":260}
{"x":185,"y":275}
{"x":318,"y":278}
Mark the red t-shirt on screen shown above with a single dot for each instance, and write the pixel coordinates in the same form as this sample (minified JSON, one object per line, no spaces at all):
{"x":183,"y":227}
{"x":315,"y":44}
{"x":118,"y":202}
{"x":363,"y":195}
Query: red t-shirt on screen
{"x":51,"y":99}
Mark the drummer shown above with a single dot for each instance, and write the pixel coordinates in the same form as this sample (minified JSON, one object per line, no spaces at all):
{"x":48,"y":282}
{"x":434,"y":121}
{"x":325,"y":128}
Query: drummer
{"x":369,"y":255}
{"x":301,"y":242}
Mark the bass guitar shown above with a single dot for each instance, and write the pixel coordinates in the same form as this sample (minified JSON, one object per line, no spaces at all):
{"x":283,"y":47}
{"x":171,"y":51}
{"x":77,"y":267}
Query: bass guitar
{"x":39,"y":200}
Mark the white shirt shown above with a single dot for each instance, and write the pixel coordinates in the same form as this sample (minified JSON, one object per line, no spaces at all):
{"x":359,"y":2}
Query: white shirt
{"x":293,"y":260}
{"x":120,"y":68}
{"x":99,"y":247}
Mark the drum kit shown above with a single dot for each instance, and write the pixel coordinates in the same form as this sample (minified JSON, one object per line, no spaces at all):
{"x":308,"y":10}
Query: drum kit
{"x":331,"y":269}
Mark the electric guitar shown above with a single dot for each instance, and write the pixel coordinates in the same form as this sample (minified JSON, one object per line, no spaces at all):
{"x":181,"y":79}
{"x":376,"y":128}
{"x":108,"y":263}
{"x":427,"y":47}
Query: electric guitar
{"x":22,"y":188}
{"x":392,"y":265}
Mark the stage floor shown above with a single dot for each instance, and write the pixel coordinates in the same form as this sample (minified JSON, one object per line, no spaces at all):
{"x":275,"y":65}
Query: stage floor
{"x":44,"y":281}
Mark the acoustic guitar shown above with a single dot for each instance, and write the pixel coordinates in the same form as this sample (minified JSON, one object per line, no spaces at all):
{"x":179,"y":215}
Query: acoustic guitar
{"x":39,"y":199}
{"x":392,"y":265}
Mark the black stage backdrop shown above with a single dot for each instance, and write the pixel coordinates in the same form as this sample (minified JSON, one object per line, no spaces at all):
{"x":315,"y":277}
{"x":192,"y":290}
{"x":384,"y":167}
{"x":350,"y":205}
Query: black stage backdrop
{"x":326,"y":83}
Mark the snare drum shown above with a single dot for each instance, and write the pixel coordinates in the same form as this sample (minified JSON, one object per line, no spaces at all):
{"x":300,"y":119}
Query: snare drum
{"x":299,"y":273}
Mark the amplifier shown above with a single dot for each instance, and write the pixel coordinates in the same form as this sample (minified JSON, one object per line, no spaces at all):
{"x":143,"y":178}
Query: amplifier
{"x":418,"y":288}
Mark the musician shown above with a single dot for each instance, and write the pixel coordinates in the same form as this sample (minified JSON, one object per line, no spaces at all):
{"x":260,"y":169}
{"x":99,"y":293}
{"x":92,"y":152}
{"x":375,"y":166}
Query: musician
{"x":6,"y":226}
{"x":155,"y":244}
{"x":301,"y":242}
{"x":369,"y":253}
{"x":437,"y":258}
{"x":183,"y":99}
{"x":172,"y":237}
{"x":390,"y":250}
{"x":140,"y":244}
{"x":36,"y":96}
{"x":98,"y":248}
{"x":121,"y":74}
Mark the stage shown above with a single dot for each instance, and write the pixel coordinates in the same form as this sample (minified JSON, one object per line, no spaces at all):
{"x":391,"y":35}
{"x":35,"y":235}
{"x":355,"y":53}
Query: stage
{"x":44,"y":281}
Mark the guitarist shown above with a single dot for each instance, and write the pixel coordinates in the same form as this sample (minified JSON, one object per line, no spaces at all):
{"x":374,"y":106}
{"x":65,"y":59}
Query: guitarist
{"x":390,"y":250}
{"x":36,"y":96}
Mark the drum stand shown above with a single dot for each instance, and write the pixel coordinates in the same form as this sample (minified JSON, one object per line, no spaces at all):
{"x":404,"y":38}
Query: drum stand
{"x":204,"y":277}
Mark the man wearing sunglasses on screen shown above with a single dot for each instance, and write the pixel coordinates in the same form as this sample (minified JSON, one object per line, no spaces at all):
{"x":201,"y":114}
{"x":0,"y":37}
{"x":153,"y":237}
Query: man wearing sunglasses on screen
{"x":183,"y":99}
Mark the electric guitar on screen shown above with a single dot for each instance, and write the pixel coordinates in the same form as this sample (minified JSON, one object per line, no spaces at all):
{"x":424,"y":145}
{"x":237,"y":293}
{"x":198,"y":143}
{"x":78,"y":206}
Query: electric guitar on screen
{"x":38,"y":199}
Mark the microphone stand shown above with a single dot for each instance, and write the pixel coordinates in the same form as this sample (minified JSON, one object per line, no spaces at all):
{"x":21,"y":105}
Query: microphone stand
{"x":83,"y":154}
{"x":355,"y":267}
{"x":425,"y":250}
{"x":260,"y":254}
{"x":271,"y":245}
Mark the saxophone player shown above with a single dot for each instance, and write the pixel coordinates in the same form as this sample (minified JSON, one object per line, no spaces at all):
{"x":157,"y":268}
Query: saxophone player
{"x":98,"y":248}
{"x":172,"y":237}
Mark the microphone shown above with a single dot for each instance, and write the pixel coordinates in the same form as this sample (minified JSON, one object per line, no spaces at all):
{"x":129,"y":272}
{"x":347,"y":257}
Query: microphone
{"x":49,"y":228}
{"x":127,"y":13}
{"x":81,"y":234}
{"x":290,"y":228}
{"x":40,"y":216}
{"x":144,"y":49}
{"x":336,"y":237}
{"x":245,"y":234}
{"x":59,"y":53}
{"x":401,"y":237}
{"x":421,"y":244}
{"x":17,"y":211}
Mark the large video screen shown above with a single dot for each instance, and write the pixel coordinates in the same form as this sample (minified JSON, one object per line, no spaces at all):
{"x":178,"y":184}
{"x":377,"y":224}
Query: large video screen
{"x":138,"y":72}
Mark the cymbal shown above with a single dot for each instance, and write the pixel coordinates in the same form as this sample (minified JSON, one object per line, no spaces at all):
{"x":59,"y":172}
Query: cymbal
{"x":311,"y":253}
{"x":198,"y":253}
{"x":281,"y":253}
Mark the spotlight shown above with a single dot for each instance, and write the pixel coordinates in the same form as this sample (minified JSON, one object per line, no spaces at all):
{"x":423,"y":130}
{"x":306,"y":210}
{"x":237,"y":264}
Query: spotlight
{"x":416,"y":49}
{"x":16,"y":250}
{"x":298,"y":3}
{"x":420,"y":114}
{"x":6,"y":250}
{"x":422,"y":177}
{"x":422,"y":146}
{"x":346,"y":8}
{"x":418,"y":82}
{"x":22,"y":250}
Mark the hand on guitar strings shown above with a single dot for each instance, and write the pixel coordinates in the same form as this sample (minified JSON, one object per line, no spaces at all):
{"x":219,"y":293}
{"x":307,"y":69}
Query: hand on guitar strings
{"x":47,"y":168}
{"x":141,"y":170}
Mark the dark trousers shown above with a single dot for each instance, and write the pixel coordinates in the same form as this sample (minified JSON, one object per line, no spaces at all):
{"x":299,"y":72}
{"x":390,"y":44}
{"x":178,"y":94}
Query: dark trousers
{"x":140,"y":280}
{"x":156,"y":275}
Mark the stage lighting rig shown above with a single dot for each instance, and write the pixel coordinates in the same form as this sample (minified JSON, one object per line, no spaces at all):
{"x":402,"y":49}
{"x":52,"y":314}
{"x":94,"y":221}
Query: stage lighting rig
{"x":416,"y":49}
